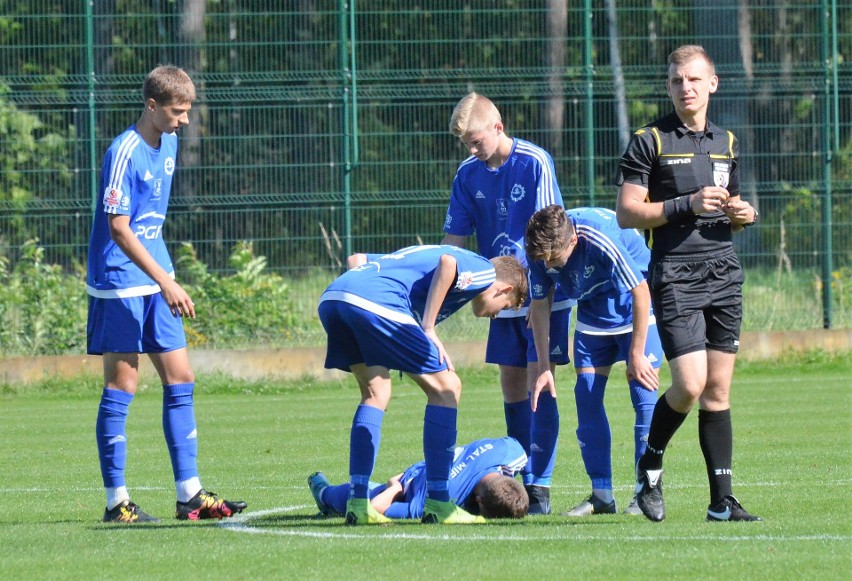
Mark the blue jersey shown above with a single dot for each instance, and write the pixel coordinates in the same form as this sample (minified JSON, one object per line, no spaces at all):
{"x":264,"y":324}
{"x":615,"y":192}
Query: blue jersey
{"x":607,"y":263}
{"x":504,"y":455}
{"x":399,"y":282}
{"x":496,"y":204}
{"x":136,"y":181}
{"x":470,"y":464}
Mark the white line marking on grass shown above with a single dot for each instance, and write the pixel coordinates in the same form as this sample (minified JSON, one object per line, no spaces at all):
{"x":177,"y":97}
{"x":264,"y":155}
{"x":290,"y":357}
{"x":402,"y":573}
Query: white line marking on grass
{"x":241,"y":524}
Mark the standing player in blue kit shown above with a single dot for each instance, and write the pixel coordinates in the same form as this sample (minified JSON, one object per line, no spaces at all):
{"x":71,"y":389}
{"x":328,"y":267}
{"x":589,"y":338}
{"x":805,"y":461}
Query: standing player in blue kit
{"x":135,"y":305}
{"x":381,"y":315}
{"x":604,"y":268}
{"x":495,"y":192}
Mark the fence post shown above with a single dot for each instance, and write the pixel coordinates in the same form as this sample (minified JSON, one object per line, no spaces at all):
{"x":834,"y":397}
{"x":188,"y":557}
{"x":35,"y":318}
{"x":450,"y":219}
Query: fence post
{"x":90,"y":66}
{"x":827,"y":267}
{"x":588,"y":67}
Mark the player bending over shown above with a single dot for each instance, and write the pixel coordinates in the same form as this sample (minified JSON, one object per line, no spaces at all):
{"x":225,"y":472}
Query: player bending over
{"x":381,"y":315}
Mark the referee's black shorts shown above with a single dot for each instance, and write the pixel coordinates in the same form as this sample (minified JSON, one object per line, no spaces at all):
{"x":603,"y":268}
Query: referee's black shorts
{"x":698,"y":302}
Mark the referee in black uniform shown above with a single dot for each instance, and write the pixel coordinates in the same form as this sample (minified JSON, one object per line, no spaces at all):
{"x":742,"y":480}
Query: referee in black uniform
{"x":679,"y":182}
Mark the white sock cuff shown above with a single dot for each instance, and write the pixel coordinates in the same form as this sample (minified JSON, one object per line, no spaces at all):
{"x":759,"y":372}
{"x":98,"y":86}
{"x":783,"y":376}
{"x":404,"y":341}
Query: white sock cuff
{"x":186,"y":489}
{"x":115,"y":496}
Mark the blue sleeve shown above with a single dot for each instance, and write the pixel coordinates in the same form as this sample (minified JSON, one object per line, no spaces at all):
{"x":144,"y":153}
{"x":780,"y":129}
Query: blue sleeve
{"x":459,"y":220}
{"x":548,"y":188}
{"x":540,"y":281}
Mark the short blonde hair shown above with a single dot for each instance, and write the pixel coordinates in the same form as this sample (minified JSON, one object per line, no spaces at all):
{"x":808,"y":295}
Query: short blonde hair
{"x":683,"y":54}
{"x":168,"y":84}
{"x":473,"y":113}
{"x":509,"y":271}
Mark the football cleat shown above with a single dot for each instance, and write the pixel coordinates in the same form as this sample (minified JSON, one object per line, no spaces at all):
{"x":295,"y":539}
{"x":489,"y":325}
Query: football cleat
{"x":729,"y":509}
{"x":127,"y":513}
{"x":206,"y":505}
{"x":447,"y":513}
{"x":633,"y":508}
{"x":649,"y":494}
{"x":317,"y":482}
{"x":360,"y":512}
{"x":590,"y":506}
{"x":539,"y":499}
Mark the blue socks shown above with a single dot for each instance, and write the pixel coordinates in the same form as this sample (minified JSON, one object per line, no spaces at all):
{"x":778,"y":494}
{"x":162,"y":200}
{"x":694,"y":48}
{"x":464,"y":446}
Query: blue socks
{"x":111,"y":436}
{"x":180,"y":430}
{"x":544,"y":434}
{"x":364,"y":440}
{"x":518,"y":419}
{"x":643,"y":404}
{"x":439,"y":440}
{"x":336,"y":496}
{"x":593,"y":431}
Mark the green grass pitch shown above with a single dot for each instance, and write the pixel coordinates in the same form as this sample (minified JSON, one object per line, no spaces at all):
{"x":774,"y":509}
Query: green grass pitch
{"x":259,"y":442}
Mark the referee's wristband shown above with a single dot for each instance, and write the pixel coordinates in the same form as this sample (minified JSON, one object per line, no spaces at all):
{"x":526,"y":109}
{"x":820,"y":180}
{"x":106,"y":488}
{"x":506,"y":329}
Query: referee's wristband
{"x":677,"y":208}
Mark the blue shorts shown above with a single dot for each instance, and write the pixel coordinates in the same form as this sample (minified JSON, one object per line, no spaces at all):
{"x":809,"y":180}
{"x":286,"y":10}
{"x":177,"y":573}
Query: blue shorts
{"x":133,"y":325}
{"x":356,"y":335}
{"x":511,"y":343}
{"x":604,"y":350}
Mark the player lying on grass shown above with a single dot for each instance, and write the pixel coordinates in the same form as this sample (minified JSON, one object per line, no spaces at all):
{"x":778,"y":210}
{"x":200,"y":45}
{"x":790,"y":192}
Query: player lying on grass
{"x":381,"y":315}
{"x":482,"y":482}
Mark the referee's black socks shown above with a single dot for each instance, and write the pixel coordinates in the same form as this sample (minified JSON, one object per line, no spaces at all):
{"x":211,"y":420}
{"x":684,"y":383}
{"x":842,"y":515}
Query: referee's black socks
{"x":716,"y":437}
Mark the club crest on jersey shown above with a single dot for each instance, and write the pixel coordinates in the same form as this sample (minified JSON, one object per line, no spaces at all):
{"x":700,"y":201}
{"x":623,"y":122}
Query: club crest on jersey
{"x":502,"y":208}
{"x":465,"y":279}
{"x":517,"y":193}
{"x":721,"y":173}
{"x":169,"y":166}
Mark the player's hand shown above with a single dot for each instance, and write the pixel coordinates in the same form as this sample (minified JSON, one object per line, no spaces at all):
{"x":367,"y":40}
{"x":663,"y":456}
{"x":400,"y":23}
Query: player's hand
{"x":544,"y":381}
{"x":640,"y":369}
{"x":738,"y":211}
{"x":443,"y":356}
{"x":177,"y":299}
{"x":395,"y":482}
{"x":708,"y":199}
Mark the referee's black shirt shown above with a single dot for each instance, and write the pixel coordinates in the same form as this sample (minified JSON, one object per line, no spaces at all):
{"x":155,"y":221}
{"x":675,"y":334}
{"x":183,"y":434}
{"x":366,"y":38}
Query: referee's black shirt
{"x":671,"y":160}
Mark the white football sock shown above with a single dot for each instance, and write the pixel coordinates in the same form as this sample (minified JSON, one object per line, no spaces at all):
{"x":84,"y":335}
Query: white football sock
{"x":188,"y":488}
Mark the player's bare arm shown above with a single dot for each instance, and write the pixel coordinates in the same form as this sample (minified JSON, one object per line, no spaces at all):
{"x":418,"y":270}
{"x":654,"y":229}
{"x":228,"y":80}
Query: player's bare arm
{"x":638,"y":366}
{"x":540,"y":322}
{"x":174,"y":295}
{"x":356,"y":260}
{"x":442,"y":281}
{"x":392,"y":492}
{"x":633,"y":211}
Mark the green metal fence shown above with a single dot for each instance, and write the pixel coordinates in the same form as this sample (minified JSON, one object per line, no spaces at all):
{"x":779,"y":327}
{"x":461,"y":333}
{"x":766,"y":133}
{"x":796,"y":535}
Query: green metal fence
{"x":321,"y":126}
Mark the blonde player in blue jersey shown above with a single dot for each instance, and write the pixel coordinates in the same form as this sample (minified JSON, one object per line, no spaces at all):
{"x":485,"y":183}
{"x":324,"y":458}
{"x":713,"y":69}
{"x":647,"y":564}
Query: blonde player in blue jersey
{"x":604,"y":268}
{"x":135,"y":305}
{"x":482,"y":481}
{"x":495,"y":192}
{"x":381,"y":315}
